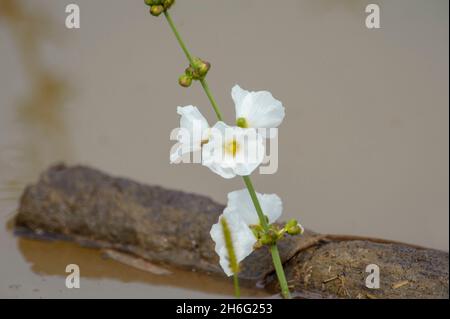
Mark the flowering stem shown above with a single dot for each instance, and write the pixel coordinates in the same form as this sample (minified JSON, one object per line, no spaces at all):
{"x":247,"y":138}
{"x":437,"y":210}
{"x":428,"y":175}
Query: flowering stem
{"x":262,"y":218}
{"x":211,"y":99}
{"x":273,"y":248}
{"x":237,"y":291}
{"x":178,"y":36}
{"x":191,"y":61}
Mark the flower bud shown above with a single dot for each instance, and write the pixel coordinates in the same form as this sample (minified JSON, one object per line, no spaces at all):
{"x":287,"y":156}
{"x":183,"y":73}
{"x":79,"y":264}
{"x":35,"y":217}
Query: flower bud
{"x":185,"y":80}
{"x":204,"y":68}
{"x":196,"y":62}
{"x":152,"y":2}
{"x":199,"y":68}
{"x":242,"y":122}
{"x":156,"y":10}
{"x":167,"y":4}
{"x":270,"y":237}
{"x":292,"y":227}
{"x":189,"y":71}
{"x":266,"y":240}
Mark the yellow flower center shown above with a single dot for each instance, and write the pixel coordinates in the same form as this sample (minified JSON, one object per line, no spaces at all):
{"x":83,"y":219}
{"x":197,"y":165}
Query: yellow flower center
{"x":232,"y":147}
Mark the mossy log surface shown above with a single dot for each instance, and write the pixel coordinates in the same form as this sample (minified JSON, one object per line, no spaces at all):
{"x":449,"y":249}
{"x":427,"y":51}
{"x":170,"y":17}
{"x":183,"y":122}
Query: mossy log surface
{"x":165,"y":226}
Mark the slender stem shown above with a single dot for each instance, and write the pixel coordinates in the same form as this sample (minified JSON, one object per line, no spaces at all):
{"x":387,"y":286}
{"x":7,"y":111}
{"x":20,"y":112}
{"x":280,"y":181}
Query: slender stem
{"x":191,"y":61}
{"x":280,"y":272}
{"x":211,"y":99}
{"x":259,"y":211}
{"x":262,"y":218}
{"x":237,"y":291}
{"x":273,"y":248}
{"x":178,"y":36}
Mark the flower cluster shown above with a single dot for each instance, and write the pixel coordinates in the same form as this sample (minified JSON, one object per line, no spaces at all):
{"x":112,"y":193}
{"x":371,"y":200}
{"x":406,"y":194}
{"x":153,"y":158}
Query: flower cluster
{"x":159,"y":6}
{"x":247,"y":221}
{"x":230,"y":150}
{"x":245,"y":227}
{"x":197,"y":70}
{"x":238,"y":150}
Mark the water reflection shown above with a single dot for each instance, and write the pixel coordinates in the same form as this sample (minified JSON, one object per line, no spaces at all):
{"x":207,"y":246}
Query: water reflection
{"x":38,"y":134}
{"x":51,"y":258}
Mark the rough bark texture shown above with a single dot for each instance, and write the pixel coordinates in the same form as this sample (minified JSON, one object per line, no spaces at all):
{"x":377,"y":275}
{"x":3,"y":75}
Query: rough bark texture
{"x":172,"y":227}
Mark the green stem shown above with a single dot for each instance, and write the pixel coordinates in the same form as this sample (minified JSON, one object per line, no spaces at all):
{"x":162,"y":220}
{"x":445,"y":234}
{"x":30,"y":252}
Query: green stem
{"x":262,"y":218}
{"x":280,"y":272}
{"x":211,"y":99}
{"x":191,"y":61}
{"x":178,"y":36}
{"x":273,"y":248}
{"x":237,"y":291}
{"x":259,"y":211}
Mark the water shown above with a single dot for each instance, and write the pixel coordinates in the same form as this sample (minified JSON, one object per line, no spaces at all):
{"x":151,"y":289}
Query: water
{"x":363,"y":149}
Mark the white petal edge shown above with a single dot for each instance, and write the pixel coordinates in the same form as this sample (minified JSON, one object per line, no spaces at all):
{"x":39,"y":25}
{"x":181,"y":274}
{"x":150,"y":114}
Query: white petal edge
{"x":260,"y":109}
{"x":240,"y":202}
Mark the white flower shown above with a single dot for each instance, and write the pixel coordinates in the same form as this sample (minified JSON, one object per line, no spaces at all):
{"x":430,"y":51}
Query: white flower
{"x":240,"y":214}
{"x":233,"y":151}
{"x":258,"y":109}
{"x":241,"y":235}
{"x":240,"y":203}
{"x":194,"y":130}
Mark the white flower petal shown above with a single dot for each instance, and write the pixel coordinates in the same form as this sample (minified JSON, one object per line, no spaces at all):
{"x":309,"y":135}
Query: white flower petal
{"x":271,"y":205}
{"x":242,"y":238}
{"x":260,"y":109}
{"x":249,"y":159}
{"x":240,"y":203}
{"x":233,"y":151}
{"x":189,"y":114}
{"x":238,"y":95}
{"x":194,"y":129}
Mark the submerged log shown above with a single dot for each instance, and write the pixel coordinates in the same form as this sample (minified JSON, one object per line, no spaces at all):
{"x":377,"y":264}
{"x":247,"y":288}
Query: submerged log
{"x":86,"y":206}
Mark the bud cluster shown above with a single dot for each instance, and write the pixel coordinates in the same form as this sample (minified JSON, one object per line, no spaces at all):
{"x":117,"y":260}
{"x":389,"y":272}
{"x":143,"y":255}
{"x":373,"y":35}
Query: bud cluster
{"x":159,"y":6}
{"x":274,"y":233}
{"x":197,"y":70}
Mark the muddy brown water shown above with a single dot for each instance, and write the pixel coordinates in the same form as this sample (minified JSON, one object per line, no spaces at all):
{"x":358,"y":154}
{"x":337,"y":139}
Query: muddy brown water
{"x":363,"y":149}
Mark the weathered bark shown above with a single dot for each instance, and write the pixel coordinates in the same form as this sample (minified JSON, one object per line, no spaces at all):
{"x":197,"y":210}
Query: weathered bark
{"x":172,"y":227}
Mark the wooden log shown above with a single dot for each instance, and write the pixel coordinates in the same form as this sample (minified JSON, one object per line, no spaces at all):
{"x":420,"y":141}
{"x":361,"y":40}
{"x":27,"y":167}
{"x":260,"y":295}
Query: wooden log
{"x":171,"y":227}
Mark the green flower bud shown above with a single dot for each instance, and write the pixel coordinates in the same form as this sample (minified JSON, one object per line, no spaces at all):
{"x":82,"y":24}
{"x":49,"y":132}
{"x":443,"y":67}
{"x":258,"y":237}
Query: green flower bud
{"x":293,"y":228}
{"x":196,"y":75}
{"x":270,"y":237}
{"x":266,"y":239}
{"x":152,"y":2}
{"x":200,"y":66}
{"x":242,"y":122}
{"x":189,"y":71}
{"x":291,"y":223}
{"x":185,"y":80}
{"x":196,"y":63}
{"x":204,"y":68}
{"x":156,"y":10}
{"x":167,"y":3}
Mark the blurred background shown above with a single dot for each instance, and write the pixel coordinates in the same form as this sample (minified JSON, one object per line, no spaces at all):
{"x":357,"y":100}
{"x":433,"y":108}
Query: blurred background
{"x":363,"y":149}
